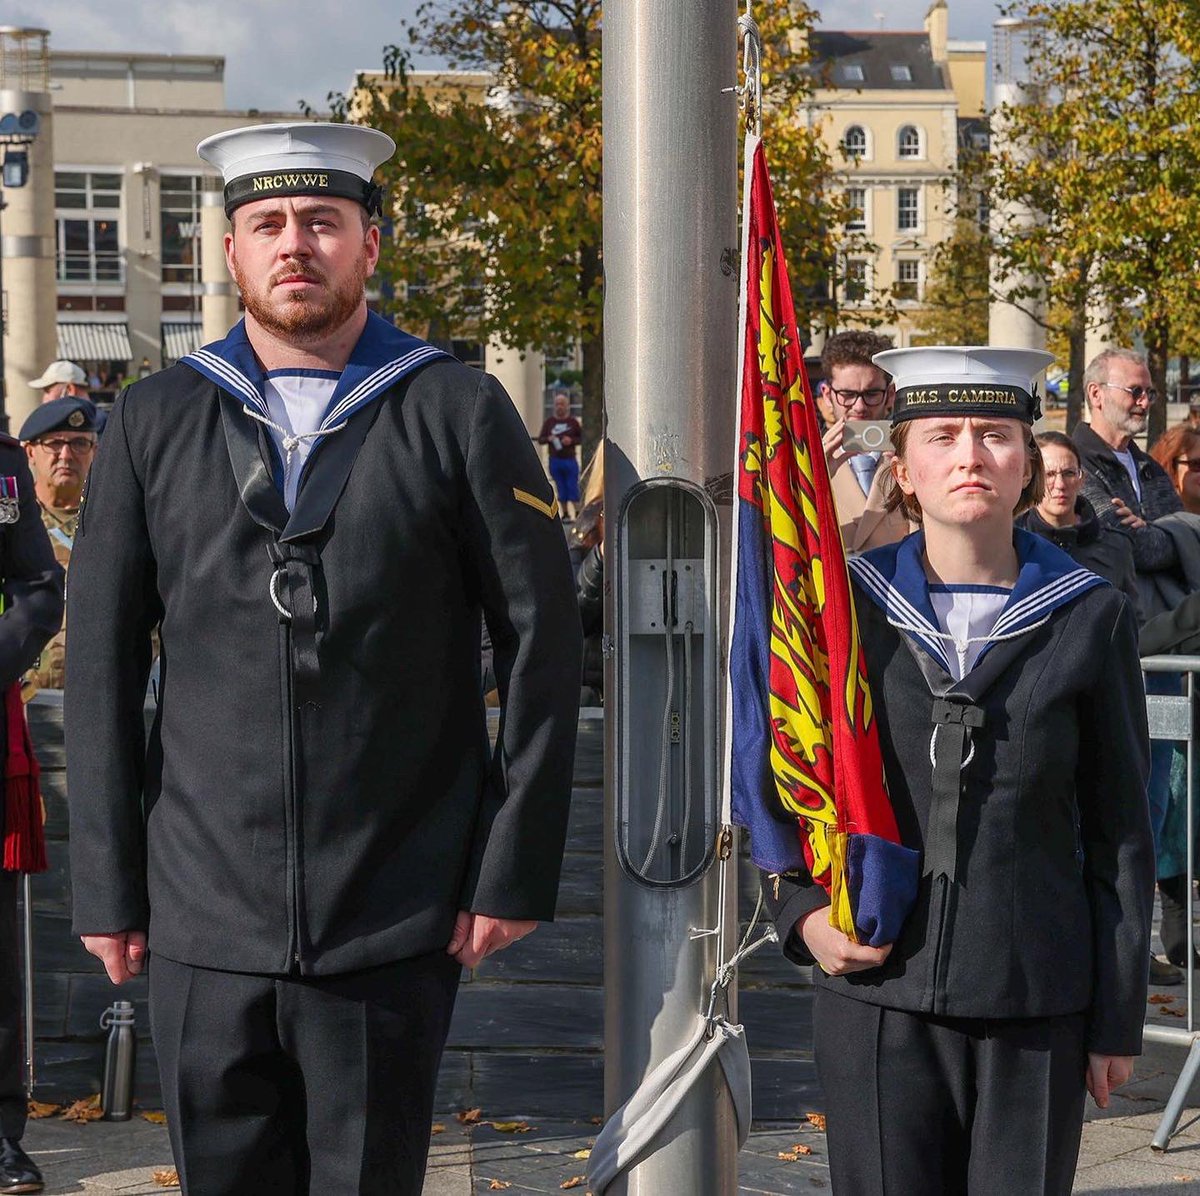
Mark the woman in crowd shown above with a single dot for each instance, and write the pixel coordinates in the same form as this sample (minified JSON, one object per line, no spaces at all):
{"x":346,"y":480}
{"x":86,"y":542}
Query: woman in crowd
{"x":1178,"y":451}
{"x":1068,"y":520}
{"x":1013,"y":730}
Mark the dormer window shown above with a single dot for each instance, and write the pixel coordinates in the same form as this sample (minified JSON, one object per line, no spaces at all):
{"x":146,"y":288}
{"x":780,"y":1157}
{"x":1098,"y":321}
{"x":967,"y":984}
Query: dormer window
{"x":852,"y":73}
{"x":901,"y":72}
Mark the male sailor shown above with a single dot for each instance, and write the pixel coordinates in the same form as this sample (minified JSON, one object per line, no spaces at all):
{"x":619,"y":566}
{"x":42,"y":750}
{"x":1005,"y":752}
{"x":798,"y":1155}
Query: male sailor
{"x":316,"y":836}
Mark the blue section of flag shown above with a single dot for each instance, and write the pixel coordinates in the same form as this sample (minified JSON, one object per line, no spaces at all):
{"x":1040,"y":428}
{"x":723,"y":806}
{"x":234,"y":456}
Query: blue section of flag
{"x":774,"y":841}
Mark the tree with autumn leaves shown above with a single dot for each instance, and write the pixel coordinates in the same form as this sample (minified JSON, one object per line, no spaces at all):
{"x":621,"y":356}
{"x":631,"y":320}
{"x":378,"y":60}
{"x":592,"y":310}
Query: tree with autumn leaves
{"x":496,"y":185}
{"x":1104,"y":156}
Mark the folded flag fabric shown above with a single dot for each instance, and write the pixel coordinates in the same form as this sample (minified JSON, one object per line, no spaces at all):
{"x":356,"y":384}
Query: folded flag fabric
{"x":806,"y":771}
{"x":24,"y":834}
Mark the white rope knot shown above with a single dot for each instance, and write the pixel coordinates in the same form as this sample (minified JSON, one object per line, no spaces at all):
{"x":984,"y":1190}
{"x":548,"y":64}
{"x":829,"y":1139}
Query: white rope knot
{"x":291,"y":441}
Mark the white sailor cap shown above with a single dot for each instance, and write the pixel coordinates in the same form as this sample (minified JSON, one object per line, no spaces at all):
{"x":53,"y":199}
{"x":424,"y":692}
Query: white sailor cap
{"x":299,"y":158}
{"x":965,"y":380}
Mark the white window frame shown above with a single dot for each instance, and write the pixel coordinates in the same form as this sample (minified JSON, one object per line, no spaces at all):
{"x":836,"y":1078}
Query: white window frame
{"x":863,"y":223}
{"x":865,"y":156}
{"x":865,"y":298}
{"x":918,"y":214}
{"x":91,"y":216}
{"x":919,"y":133}
{"x":918,"y":282}
{"x":181,"y":285}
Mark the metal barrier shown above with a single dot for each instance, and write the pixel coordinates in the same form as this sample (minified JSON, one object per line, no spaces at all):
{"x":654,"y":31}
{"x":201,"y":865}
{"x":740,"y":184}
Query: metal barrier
{"x":1171,"y":717}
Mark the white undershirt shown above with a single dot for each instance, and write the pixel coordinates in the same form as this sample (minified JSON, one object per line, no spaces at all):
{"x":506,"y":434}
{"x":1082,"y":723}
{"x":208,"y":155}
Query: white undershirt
{"x":1126,"y":459}
{"x":297,"y":403}
{"x":967,"y":613}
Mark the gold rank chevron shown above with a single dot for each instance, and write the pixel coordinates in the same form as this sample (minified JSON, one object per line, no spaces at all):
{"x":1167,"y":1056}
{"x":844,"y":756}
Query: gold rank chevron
{"x":549,"y":509}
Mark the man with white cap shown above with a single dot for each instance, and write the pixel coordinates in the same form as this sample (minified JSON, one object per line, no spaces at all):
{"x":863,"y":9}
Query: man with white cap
{"x":61,"y":380}
{"x":316,"y":510}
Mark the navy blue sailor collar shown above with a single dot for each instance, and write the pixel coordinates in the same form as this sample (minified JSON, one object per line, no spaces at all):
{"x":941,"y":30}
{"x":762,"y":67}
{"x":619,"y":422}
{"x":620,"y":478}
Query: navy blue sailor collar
{"x":382,"y":356}
{"x":893,"y":577}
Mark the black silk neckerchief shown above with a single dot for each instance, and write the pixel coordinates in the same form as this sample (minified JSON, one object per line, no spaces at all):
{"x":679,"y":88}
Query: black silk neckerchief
{"x":953,"y":722}
{"x":294,"y":549}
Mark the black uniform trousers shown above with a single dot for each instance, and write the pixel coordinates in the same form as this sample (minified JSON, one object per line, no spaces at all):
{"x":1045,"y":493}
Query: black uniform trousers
{"x":290,"y":1085}
{"x":13,"y":1099}
{"x":949,"y":1106}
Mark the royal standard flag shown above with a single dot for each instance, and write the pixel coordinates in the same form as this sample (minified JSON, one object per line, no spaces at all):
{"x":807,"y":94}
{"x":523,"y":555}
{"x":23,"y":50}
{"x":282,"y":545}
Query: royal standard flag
{"x":806,"y":771}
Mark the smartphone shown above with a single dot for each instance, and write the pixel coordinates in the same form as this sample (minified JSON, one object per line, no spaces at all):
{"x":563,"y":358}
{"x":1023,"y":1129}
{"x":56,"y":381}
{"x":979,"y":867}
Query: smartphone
{"x":867,"y":436}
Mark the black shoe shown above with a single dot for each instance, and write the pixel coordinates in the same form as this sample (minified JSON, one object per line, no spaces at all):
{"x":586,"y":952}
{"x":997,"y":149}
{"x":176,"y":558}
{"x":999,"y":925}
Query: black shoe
{"x":18,"y":1172}
{"x":1177,"y":959}
{"x":1162,"y":974}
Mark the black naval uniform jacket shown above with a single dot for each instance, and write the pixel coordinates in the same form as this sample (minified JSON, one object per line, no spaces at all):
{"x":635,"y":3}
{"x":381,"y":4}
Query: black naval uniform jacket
{"x":1050,"y":912}
{"x":317,"y":794}
{"x":30,"y":577}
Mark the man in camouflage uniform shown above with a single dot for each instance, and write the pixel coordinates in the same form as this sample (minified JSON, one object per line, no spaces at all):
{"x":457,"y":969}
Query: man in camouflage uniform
{"x":60,"y":442}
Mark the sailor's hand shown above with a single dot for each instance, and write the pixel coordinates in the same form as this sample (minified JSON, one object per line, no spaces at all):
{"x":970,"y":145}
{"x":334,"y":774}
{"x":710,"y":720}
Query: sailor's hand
{"x":837,"y":954}
{"x":1127,"y":517}
{"x":476,"y":936}
{"x":1106,"y":1072}
{"x":123,"y":955}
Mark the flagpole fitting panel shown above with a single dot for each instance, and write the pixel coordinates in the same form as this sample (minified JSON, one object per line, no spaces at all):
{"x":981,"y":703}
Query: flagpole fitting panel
{"x":665,"y":633}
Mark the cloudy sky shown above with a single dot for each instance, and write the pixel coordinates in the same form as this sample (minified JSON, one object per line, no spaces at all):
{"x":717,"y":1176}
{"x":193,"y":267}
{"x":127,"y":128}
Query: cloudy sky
{"x":278,"y":52}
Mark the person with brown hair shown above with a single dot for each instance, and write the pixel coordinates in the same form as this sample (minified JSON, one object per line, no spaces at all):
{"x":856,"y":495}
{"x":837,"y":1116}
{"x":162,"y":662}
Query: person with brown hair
{"x":1177,"y":450}
{"x":1012,"y":726}
{"x":1068,"y":520}
{"x":856,"y":388}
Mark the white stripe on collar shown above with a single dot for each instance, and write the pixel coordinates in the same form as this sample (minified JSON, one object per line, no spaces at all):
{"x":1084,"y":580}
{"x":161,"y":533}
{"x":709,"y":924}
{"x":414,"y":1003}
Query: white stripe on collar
{"x":899,"y":612}
{"x":1048,"y":596}
{"x":380,"y":379}
{"x":230,"y":375}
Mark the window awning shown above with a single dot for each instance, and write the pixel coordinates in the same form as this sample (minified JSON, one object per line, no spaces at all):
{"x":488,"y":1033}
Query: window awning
{"x":93,"y":342}
{"x":178,"y":340}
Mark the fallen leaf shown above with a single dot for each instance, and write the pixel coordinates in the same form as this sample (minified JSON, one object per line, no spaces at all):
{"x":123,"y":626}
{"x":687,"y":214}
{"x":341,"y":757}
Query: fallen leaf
{"x":582,"y":1154}
{"x":816,"y":1120}
{"x":167,"y":1179}
{"x":437,"y":1128}
{"x":574,"y":1181}
{"x":1183,"y":1179}
{"x":788,"y":1156}
{"x":1176,"y":1012}
{"x":84,"y":1110}
{"x":155,"y":1117}
{"x":511,"y":1127}
{"x":469,"y":1116}
{"x":1159,"y":999}
{"x":800,"y":1148}
{"x":38,"y":1108}
{"x":498,"y":1185}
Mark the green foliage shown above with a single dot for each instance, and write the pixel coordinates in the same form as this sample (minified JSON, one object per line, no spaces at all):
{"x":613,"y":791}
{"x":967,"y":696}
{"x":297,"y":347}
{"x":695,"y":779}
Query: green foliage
{"x":496,"y":184}
{"x":1105,"y":157}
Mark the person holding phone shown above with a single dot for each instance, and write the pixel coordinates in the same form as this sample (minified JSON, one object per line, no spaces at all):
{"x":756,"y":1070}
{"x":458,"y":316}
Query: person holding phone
{"x":1012,"y":724}
{"x":855,"y":389}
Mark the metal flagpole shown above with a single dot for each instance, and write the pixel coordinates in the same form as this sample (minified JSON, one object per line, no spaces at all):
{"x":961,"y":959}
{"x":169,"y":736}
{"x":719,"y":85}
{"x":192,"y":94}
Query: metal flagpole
{"x":670,"y":263}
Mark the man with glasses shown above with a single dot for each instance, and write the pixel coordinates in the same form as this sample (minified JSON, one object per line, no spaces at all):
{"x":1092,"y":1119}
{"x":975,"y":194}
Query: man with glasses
{"x":1129,"y":491}
{"x":855,"y":388}
{"x":60,"y":442}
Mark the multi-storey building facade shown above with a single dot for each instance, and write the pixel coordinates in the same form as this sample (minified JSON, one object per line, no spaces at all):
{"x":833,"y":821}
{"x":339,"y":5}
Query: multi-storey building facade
{"x":890,"y":105}
{"x":136,"y":260}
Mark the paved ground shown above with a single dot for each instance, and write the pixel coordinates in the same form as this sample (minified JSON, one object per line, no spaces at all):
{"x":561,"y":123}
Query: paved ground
{"x":1116,"y":1158}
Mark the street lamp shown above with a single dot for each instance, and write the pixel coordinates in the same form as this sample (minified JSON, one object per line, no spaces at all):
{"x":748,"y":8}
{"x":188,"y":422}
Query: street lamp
{"x":18,"y":131}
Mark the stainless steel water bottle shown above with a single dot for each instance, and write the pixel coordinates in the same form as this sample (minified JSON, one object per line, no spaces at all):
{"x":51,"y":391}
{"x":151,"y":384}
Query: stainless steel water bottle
{"x":116,"y":1098}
